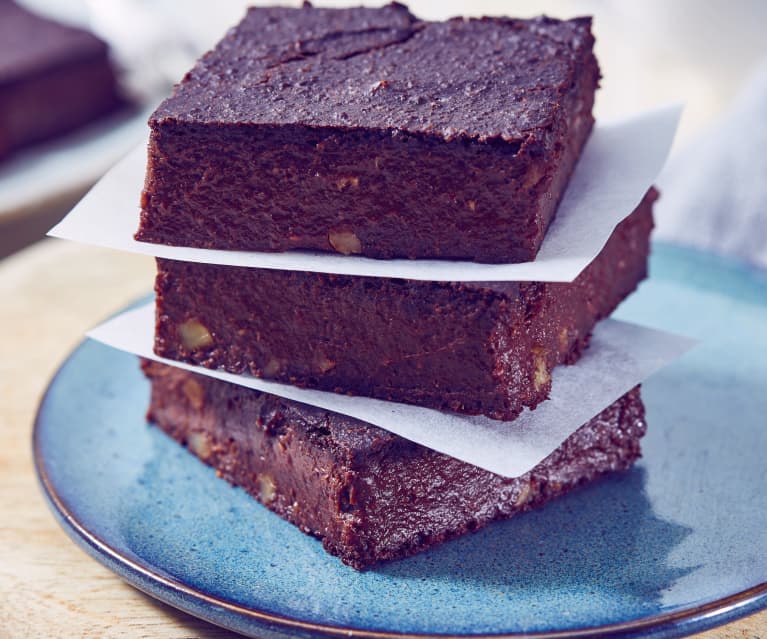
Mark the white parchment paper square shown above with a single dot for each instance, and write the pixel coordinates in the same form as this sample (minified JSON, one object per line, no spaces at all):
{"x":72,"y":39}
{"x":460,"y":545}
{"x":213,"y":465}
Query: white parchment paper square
{"x":621,"y":355}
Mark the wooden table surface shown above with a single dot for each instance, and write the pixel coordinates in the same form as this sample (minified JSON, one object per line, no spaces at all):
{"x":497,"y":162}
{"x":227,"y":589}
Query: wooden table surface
{"x":50,"y":294}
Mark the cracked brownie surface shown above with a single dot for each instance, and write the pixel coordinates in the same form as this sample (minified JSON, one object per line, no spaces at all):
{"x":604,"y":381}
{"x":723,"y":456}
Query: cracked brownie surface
{"x":368,"y":131}
{"x":491,"y":78}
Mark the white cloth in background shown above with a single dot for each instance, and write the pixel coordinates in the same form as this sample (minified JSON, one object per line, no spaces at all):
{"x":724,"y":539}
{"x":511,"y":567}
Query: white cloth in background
{"x":714,"y":191}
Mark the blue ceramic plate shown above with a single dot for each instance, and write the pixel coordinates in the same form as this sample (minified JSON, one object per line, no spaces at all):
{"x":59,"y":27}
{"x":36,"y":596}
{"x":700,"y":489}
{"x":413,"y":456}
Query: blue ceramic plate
{"x":676,"y":545}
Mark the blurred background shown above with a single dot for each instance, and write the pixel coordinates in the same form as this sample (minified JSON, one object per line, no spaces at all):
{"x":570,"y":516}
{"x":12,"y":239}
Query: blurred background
{"x":711,"y":56}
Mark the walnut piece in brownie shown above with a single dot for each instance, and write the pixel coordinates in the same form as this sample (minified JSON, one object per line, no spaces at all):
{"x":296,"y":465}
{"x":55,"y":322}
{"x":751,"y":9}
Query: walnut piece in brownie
{"x":53,"y":78}
{"x":370,"y":132}
{"x":476,"y":348}
{"x":367,"y":494}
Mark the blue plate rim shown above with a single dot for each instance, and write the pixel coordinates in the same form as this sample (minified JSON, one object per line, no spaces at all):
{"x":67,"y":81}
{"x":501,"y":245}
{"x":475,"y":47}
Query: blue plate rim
{"x":198,"y":603}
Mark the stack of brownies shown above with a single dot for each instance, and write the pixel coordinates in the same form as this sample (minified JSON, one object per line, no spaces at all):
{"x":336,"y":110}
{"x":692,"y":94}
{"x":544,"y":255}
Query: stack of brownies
{"x":370,"y":132}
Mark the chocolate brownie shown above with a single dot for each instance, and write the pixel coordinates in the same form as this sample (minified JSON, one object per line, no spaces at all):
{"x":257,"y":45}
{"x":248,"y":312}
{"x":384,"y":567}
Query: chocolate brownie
{"x":473,"y":348}
{"x":368,"y":494}
{"x":53,"y":78}
{"x":368,"y":131}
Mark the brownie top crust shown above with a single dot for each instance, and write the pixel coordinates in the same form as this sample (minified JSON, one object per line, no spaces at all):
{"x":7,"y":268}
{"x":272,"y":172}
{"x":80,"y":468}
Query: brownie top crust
{"x":31,"y":44}
{"x":383,"y":69}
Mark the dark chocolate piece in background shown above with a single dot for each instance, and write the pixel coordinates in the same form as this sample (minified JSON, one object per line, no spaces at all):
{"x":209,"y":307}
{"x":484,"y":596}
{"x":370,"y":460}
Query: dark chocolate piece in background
{"x":53,"y":78}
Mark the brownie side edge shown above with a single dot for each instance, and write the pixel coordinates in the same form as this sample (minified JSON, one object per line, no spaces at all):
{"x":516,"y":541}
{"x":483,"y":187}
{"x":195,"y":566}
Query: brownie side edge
{"x":562,"y":316}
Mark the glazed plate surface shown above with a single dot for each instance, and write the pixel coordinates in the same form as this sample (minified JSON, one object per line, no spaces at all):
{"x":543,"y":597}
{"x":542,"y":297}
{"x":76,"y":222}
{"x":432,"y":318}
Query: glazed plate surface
{"x":676,"y":545}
